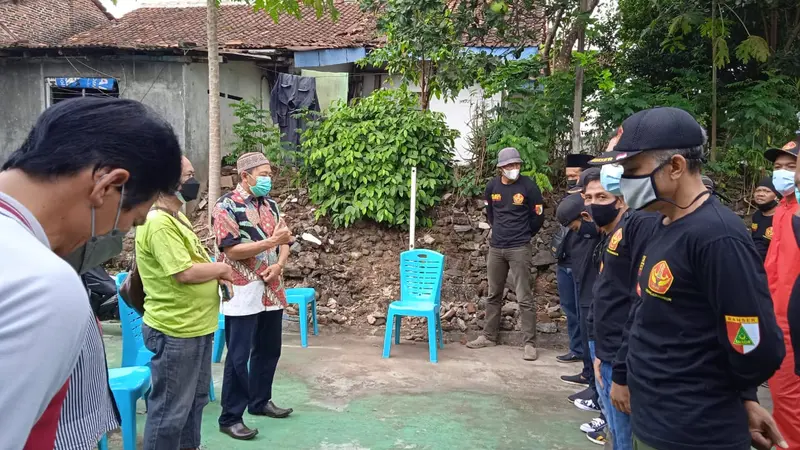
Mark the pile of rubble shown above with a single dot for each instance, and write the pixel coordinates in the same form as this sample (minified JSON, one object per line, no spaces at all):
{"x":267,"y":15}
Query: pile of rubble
{"x":356,"y":270}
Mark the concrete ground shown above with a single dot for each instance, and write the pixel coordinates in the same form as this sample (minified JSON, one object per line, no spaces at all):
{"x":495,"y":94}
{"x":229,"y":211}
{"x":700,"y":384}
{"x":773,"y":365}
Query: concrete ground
{"x":345,"y":396}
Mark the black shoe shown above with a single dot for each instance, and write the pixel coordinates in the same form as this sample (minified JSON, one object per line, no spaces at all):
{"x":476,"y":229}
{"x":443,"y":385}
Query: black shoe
{"x":239,"y":431}
{"x":270,"y":410}
{"x":585,"y":394}
{"x":575,"y":379}
{"x":569,"y":358}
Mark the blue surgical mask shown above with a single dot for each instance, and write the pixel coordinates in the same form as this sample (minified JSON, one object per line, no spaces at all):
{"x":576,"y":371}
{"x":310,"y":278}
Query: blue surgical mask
{"x":797,"y":194}
{"x":262,"y":187}
{"x":610,"y":175}
{"x":783,"y":180}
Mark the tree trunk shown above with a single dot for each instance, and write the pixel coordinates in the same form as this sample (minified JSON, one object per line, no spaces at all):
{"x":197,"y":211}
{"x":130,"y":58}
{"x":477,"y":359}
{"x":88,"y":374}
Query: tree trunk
{"x":214,"y":157}
{"x":548,"y":42}
{"x":713,"y":82}
{"x":577,"y":106}
{"x":564,"y":57}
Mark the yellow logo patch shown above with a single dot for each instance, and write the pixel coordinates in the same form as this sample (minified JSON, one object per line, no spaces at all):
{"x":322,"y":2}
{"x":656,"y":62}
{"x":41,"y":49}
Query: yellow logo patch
{"x":660,"y":280}
{"x":768,"y":233}
{"x":614,"y":242}
{"x":518,"y":199}
{"x":754,"y":226}
{"x":496,"y":197}
{"x":790,"y":145}
{"x":539,"y":210}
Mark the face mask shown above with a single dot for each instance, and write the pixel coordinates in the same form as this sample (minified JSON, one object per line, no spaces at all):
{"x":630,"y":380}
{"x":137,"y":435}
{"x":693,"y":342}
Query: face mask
{"x":572,"y":183}
{"x":588,"y":229}
{"x":639,"y":191}
{"x":262,"y":187}
{"x":98,"y":249}
{"x":190,"y":189}
{"x":610,"y":175}
{"x":783,"y":180}
{"x":603,"y":215}
{"x":769,"y":205}
{"x":797,"y":194}
{"x":511,"y":174}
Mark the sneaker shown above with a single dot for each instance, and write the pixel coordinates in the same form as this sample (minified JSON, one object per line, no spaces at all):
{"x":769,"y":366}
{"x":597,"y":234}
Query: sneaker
{"x":574,"y":379}
{"x":585,"y":394}
{"x":598,"y":437}
{"x":587,"y":405}
{"x":530,"y":353}
{"x":569,"y":358}
{"x":481,"y":342}
{"x":594,"y":426}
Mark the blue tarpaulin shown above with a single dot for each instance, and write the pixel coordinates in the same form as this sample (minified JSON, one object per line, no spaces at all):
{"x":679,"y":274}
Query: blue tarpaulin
{"x":105,"y":84}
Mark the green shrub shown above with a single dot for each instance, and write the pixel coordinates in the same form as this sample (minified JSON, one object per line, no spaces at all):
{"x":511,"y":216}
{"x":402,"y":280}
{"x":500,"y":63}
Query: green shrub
{"x":358,"y":159}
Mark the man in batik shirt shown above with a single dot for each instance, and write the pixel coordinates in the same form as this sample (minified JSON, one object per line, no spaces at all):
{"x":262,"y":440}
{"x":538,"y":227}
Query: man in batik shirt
{"x":254,"y":241}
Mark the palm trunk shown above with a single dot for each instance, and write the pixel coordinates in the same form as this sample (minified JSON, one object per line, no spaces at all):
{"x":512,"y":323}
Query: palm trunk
{"x":577,"y":106}
{"x":214,"y":157}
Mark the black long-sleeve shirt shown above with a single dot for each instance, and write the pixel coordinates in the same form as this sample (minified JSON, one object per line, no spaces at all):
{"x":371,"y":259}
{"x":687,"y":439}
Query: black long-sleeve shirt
{"x":515,"y":211}
{"x":614,"y":290}
{"x":793,"y":312}
{"x":704,"y":336}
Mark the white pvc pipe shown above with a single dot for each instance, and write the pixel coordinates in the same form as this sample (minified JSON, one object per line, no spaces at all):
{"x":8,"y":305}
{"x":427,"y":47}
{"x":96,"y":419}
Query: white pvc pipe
{"x":412,"y":221}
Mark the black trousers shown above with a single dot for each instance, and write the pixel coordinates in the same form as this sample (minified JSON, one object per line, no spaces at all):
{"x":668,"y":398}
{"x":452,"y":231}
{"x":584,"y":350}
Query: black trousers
{"x":588,"y":364}
{"x":253,"y":341}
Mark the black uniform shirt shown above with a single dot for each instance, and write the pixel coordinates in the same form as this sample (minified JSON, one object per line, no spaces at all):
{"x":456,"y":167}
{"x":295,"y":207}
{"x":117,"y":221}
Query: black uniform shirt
{"x":761,"y":231}
{"x":515,"y":211}
{"x":794,"y":306}
{"x":614,"y":290}
{"x":704,"y":336}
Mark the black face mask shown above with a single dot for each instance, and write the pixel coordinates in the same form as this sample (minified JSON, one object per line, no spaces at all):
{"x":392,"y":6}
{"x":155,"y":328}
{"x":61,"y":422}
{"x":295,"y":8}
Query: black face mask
{"x":572,"y":183}
{"x":588,"y":229}
{"x":767,"y":206}
{"x":190,"y":189}
{"x":603,"y":214}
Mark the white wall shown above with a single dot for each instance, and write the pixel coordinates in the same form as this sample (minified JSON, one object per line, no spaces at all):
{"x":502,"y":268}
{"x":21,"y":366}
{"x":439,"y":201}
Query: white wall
{"x":458,"y":112}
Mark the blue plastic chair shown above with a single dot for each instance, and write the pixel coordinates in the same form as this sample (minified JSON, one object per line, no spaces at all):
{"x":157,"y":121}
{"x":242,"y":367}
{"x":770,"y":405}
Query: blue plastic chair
{"x":103,"y":444}
{"x":421,"y":273}
{"x":302,"y":297}
{"x":219,"y":340}
{"x":134,"y":353}
{"x":128,"y":384}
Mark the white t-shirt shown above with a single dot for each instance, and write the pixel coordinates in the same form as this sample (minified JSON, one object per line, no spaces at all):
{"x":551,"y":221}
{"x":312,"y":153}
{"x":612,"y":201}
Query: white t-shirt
{"x":43,"y":318}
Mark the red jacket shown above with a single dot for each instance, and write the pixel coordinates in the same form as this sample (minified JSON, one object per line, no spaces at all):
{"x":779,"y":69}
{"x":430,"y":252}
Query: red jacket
{"x":783,"y":268}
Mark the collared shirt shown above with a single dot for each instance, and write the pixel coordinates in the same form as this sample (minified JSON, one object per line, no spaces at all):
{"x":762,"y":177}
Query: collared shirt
{"x":44,"y":314}
{"x":239,"y":218}
{"x":89,"y":411}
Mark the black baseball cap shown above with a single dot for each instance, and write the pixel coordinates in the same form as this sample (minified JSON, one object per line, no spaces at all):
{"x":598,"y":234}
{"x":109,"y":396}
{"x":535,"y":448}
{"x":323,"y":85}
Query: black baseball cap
{"x":579,"y":160}
{"x":662,"y":128}
{"x":791,"y":148}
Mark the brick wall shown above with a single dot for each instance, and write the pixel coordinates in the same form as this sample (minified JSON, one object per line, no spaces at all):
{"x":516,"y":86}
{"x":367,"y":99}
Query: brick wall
{"x":47,"y":21}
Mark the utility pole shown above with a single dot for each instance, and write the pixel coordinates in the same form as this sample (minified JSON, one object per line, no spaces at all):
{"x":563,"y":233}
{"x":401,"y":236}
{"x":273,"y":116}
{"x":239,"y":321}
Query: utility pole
{"x":214,"y":157}
{"x":577,"y":108}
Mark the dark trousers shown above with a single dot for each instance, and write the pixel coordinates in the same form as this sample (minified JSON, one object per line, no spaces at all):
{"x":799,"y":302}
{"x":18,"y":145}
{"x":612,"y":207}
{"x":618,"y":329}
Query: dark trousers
{"x":588,"y":364}
{"x":181,"y":375}
{"x":253,"y":339}
{"x":568,"y":296}
{"x":500,"y":262}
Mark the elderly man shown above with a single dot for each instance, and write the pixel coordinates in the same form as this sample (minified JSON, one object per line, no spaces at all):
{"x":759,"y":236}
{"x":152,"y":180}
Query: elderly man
{"x":514,"y":208}
{"x":69,"y":188}
{"x":254,"y":241}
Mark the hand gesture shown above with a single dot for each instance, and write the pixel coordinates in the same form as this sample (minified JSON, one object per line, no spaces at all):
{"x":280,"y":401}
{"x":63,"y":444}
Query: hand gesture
{"x":271,"y":273}
{"x":763,"y":430}
{"x":282,"y":234}
{"x":621,"y":398}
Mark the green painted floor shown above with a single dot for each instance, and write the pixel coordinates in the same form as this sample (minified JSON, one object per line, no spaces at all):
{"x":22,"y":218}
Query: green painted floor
{"x":345,"y":396}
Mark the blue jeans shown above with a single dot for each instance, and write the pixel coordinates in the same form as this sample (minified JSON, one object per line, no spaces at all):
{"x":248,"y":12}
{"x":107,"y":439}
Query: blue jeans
{"x":600,"y":401}
{"x":568,"y":296}
{"x":618,"y":422}
{"x":181,"y":375}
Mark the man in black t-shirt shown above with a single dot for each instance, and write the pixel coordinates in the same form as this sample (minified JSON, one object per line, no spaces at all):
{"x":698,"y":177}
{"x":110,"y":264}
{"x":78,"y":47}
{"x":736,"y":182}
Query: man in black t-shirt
{"x":515,"y":210}
{"x":766,"y":200}
{"x":704,"y":336}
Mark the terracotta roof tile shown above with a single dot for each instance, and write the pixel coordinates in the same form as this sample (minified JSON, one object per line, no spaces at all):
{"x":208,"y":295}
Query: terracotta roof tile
{"x":38,"y":23}
{"x":239,"y":27}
